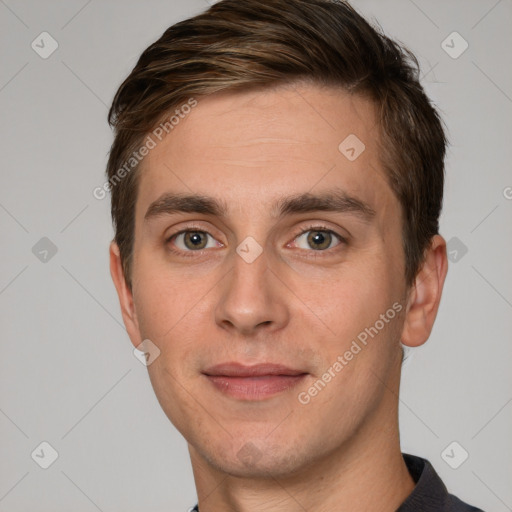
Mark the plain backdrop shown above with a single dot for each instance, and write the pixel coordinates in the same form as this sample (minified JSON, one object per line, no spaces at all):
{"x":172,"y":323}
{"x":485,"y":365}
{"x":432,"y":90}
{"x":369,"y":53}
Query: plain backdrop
{"x":67,"y":372}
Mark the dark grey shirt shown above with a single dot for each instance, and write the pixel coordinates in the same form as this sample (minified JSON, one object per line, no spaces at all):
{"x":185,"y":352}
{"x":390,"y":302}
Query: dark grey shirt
{"x":429,"y":495}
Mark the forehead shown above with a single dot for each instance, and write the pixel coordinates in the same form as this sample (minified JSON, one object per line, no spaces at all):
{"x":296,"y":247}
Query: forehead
{"x":257,"y":146}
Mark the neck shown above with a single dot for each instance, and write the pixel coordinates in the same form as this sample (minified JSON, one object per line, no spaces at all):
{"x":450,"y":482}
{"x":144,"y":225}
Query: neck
{"x":366,"y":473}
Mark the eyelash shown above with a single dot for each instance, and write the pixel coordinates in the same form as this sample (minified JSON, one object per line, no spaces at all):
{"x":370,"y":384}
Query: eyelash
{"x":192,"y":229}
{"x":315,"y":254}
{"x":188,"y":229}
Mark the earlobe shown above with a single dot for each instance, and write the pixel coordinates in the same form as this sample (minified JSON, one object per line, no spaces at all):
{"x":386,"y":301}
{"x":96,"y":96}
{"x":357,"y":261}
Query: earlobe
{"x":125,"y":295}
{"x":425,"y":295}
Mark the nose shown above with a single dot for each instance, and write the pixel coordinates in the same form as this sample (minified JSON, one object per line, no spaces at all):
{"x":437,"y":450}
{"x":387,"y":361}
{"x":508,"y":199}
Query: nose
{"x":252,"y":299}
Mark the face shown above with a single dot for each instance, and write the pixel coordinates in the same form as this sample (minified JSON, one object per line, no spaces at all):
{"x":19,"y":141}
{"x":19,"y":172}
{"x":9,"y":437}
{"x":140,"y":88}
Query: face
{"x":276,"y":294}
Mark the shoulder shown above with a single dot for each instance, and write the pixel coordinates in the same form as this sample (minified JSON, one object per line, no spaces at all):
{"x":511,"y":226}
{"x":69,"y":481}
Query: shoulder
{"x":456,"y":505}
{"x":430,"y":493}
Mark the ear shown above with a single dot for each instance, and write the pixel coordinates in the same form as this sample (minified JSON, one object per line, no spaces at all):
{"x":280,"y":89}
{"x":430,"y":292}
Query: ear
{"x":425,"y":295}
{"x":125,"y":295}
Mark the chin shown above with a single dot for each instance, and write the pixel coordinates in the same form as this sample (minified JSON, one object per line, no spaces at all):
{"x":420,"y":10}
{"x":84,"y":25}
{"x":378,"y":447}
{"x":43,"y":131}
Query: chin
{"x":248,"y":461}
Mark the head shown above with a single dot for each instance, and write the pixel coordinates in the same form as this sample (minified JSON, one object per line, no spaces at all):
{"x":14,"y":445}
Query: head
{"x":294,"y":144}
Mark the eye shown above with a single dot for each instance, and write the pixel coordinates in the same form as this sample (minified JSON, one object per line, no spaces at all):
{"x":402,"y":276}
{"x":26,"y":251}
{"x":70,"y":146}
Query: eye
{"x":318,"y":239}
{"x":193,"y":240}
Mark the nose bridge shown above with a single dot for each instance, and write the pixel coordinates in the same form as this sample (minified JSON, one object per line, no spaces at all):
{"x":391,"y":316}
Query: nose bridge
{"x":248,"y":288}
{"x":250,"y":297}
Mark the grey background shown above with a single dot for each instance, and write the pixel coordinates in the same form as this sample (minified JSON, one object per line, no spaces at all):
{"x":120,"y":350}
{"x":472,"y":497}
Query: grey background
{"x":68,"y":375}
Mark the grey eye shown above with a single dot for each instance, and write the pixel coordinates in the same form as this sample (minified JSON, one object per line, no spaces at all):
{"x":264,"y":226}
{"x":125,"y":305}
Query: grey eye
{"x":193,"y":240}
{"x":317,"y":240}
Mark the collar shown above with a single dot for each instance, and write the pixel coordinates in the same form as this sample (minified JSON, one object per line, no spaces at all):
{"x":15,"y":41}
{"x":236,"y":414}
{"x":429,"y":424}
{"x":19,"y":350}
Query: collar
{"x":429,"y":494}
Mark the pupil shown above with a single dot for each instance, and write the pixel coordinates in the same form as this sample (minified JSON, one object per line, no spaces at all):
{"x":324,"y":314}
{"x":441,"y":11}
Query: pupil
{"x":319,"y":239}
{"x":194,"y":240}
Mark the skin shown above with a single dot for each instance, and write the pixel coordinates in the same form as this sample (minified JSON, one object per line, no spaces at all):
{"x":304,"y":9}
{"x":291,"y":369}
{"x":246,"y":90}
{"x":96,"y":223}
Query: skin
{"x":295,"y":304}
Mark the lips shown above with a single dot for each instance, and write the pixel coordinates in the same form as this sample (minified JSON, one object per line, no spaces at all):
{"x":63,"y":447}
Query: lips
{"x":258,"y":370}
{"x":255,"y":382}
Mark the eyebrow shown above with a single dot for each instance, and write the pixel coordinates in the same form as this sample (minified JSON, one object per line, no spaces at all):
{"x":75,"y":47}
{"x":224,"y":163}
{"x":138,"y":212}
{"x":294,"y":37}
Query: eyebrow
{"x":336,"y":201}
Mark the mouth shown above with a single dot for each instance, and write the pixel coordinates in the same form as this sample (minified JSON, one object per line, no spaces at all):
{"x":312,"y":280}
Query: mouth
{"x":253,"y":383}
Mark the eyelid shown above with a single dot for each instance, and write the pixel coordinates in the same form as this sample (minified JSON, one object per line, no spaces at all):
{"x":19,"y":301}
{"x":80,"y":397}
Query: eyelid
{"x":318,"y":227}
{"x":299,"y":232}
{"x":182,"y":253}
{"x":186,"y":229}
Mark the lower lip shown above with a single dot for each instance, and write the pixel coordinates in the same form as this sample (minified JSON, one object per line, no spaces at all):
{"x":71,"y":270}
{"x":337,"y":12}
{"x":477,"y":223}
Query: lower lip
{"x":255,"y":388}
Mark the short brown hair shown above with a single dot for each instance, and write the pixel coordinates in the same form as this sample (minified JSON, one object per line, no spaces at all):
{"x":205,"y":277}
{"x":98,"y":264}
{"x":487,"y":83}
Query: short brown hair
{"x":241,"y":44}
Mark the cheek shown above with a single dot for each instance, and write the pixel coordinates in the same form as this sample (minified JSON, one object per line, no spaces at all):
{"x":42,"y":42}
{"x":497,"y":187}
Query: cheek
{"x":358,"y":354}
{"x":174,"y":312}
{"x":159,"y":305}
{"x":163,"y":296}
{"x":349,"y":300}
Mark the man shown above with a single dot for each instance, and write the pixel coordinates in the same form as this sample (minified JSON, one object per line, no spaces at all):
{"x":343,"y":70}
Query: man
{"x":277,"y":180}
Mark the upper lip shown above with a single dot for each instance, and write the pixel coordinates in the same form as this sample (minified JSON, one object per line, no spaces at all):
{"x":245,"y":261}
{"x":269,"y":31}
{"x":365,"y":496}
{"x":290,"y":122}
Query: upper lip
{"x":240,"y":370}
